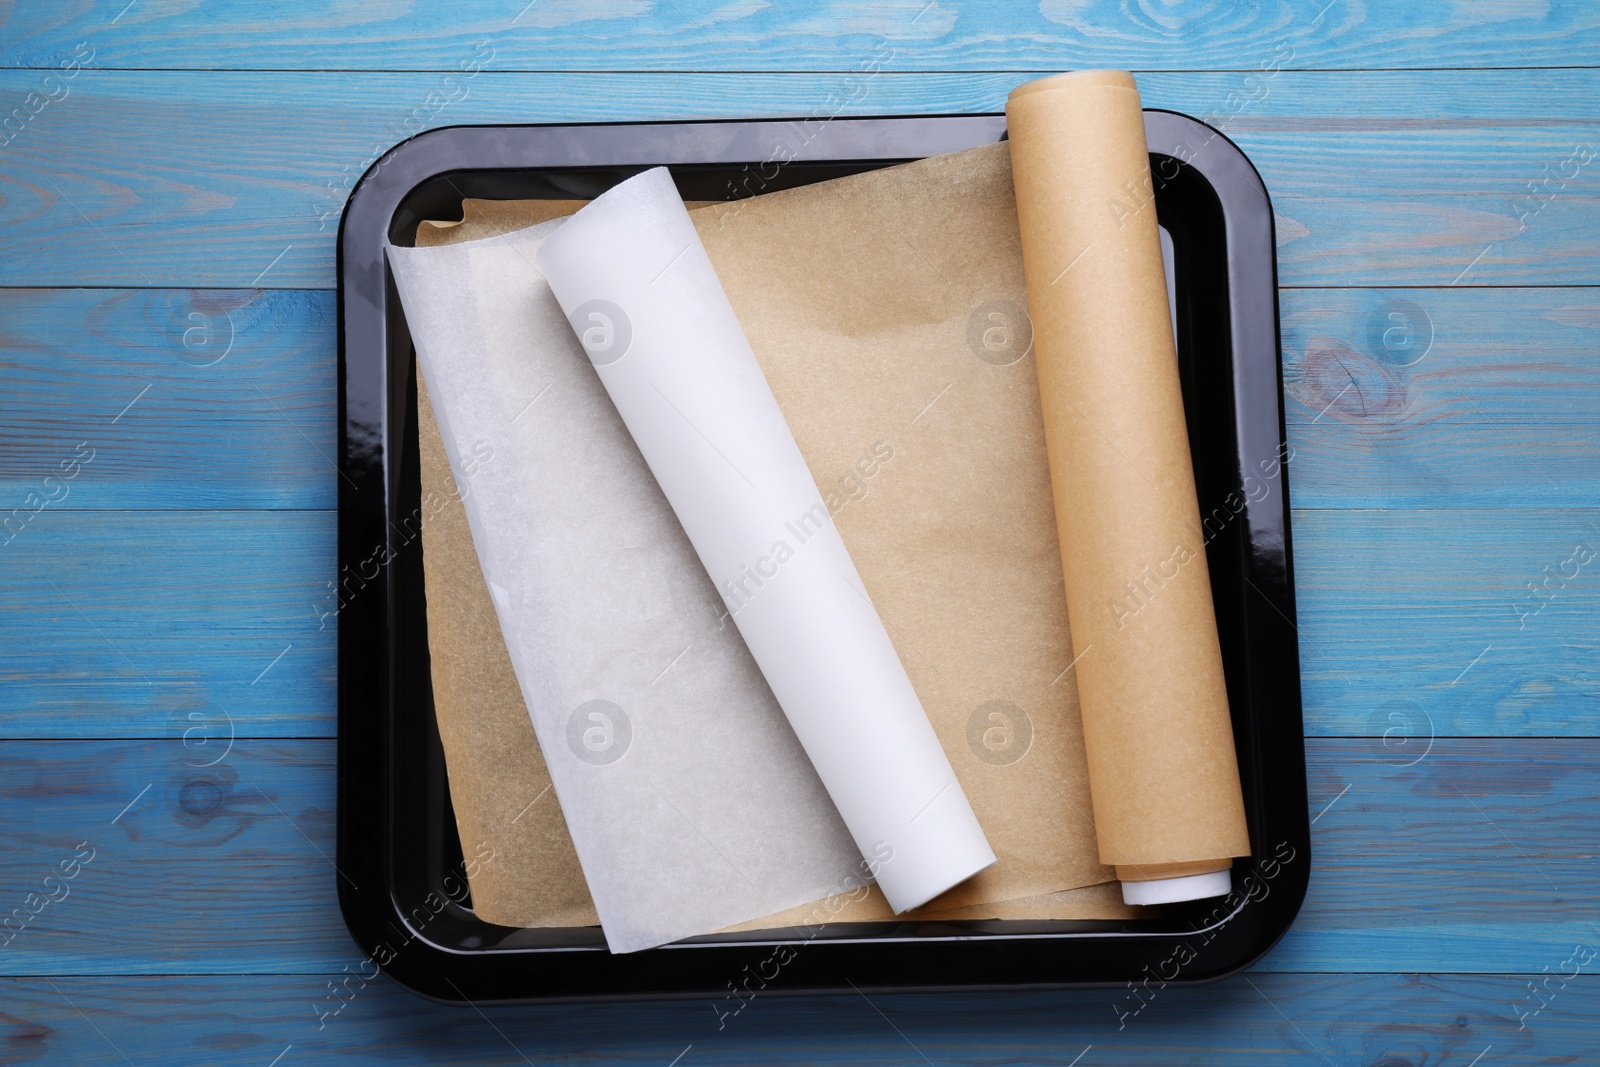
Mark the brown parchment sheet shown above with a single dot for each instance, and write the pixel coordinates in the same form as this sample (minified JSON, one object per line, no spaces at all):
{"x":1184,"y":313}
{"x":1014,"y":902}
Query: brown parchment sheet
{"x":491,"y":218}
{"x":887,"y":310}
{"x":1155,"y":710}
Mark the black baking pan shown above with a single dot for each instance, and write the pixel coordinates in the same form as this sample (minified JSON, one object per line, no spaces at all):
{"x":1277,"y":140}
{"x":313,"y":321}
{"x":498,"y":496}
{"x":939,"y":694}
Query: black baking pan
{"x":399,"y":857}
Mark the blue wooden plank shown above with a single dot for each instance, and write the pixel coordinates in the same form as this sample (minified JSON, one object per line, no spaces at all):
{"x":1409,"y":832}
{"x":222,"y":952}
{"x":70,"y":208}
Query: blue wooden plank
{"x":193,"y":855}
{"x":149,"y":623}
{"x":1415,"y":398}
{"x":1455,"y":851}
{"x":236,"y":179}
{"x":1266,"y":1019}
{"x":164,"y":398}
{"x":712,"y":35}
{"x":1415,"y":624}
{"x":1429,"y":398}
{"x":1476,"y":857}
{"x":1436,"y":622}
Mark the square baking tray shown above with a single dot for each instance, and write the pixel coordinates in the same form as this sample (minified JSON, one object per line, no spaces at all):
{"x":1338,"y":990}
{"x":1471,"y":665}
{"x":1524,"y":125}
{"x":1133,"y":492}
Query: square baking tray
{"x":399,"y":856}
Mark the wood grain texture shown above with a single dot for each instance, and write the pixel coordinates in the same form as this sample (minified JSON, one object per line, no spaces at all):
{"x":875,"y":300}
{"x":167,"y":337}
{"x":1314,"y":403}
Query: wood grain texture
{"x":1430,"y":494}
{"x":1452,"y":852}
{"x":148,"y":624}
{"x":207,"y":857}
{"x":716,"y":35}
{"x":1411,"y":624}
{"x":1395,"y":398}
{"x":1431,"y":623}
{"x":236,"y":179}
{"x":226,"y":868}
{"x":1434,"y":398}
{"x":192,"y":398}
{"x":1266,"y":1019}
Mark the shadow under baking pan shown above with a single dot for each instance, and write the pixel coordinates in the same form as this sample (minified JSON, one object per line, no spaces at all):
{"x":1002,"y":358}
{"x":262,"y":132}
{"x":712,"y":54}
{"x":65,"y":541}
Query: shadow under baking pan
{"x":397,"y":841}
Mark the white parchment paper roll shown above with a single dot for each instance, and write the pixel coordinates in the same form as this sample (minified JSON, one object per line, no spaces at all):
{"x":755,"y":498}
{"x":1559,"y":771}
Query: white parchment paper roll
{"x":643,"y":298}
{"x":689,"y":800}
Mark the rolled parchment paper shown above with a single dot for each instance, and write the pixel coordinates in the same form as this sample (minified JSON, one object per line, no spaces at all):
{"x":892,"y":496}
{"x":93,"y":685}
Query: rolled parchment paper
{"x":689,"y":800}
{"x":1162,"y":769}
{"x":635,"y":282}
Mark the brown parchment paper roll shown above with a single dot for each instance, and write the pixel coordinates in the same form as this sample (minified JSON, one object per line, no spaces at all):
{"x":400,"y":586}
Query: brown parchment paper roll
{"x":1162,"y":767}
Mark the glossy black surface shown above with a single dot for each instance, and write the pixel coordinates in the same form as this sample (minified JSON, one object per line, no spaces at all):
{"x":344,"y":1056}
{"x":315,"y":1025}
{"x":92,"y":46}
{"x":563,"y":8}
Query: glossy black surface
{"x":398,"y":851}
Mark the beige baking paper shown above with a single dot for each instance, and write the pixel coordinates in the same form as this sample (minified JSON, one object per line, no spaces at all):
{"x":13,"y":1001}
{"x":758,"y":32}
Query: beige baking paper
{"x":492,"y":218}
{"x":887,"y":312}
{"x":1100,"y":901}
{"x":1155,"y":711}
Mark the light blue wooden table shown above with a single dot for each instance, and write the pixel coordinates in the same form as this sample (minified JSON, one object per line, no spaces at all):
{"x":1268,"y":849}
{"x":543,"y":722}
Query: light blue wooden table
{"x":170,"y":181}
